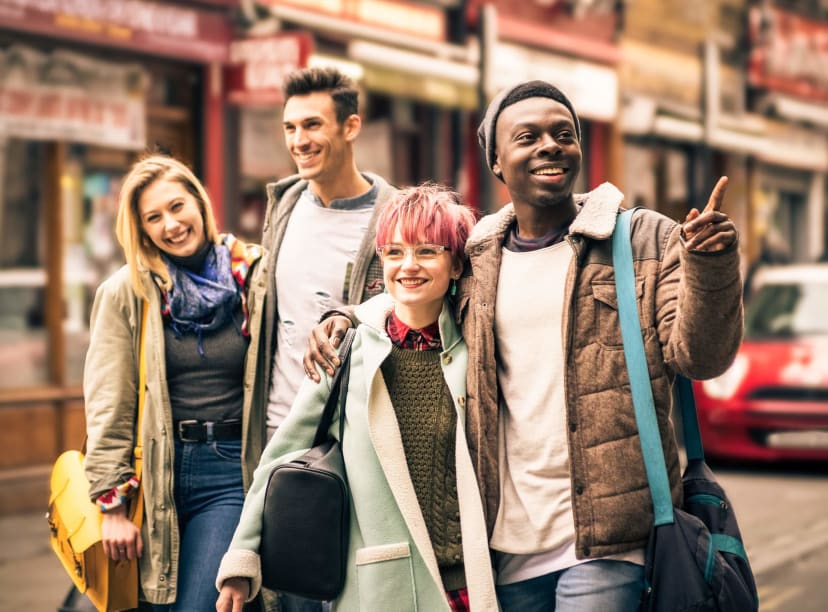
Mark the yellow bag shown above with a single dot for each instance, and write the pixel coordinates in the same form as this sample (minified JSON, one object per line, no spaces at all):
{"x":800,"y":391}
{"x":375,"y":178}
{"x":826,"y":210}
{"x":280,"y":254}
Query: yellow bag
{"x":75,"y":522}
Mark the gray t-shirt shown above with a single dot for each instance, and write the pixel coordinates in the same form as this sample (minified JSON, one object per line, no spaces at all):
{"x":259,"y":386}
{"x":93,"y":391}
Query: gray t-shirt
{"x":207,"y":388}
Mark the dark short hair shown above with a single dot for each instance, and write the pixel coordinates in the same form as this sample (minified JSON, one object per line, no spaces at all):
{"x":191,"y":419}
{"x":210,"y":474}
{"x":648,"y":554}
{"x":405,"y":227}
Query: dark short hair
{"x":310,"y":80}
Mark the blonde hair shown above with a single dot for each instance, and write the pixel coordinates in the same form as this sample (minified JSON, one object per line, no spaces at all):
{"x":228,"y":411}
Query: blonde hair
{"x":140,"y":252}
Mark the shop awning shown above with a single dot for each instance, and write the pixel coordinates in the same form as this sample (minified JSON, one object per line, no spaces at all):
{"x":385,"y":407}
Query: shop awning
{"x":416,"y":75}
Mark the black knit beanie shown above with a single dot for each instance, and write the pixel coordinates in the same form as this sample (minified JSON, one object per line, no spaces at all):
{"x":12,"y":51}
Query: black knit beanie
{"x":512,"y":95}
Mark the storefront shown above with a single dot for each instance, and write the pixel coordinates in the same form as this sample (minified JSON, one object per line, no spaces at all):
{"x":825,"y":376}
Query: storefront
{"x":570,"y":47}
{"x":85,"y":88}
{"x":788,"y":85}
{"x":661,"y":123}
{"x":416,"y":85}
{"x":253,"y":78}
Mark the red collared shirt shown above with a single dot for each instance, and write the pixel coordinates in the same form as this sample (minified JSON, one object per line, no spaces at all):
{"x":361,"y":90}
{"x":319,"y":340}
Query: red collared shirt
{"x":425,"y":339}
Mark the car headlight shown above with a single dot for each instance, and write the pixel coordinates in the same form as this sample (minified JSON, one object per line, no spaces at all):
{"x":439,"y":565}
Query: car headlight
{"x":724,"y":386}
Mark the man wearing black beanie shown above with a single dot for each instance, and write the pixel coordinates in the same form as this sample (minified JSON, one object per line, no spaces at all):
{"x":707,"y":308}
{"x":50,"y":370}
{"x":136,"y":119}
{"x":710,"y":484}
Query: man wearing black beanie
{"x":552,"y":428}
{"x":549,"y":416}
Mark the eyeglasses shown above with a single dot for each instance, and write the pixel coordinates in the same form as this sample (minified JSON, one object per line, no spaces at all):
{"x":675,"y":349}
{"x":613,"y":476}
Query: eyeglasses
{"x":420,"y":252}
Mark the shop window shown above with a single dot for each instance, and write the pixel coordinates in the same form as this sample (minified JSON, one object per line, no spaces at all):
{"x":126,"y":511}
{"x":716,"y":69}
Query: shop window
{"x":23,"y":343}
{"x":90,"y":181}
{"x":83,"y":216}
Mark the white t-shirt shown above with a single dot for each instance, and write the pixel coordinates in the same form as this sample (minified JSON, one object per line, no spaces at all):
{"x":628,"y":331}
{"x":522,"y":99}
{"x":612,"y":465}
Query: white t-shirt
{"x":535,"y":508}
{"x":313,"y":269}
{"x":534,"y":532}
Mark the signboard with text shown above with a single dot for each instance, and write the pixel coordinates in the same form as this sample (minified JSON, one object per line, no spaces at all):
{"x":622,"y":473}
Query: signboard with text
{"x":168,"y":29}
{"x":257,"y":66}
{"x":788,"y":54}
{"x":66,"y":96}
{"x":412,"y":18}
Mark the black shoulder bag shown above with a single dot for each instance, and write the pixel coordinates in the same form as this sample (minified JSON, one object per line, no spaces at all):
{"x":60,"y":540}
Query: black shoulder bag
{"x":695,"y":559}
{"x":306,"y":517}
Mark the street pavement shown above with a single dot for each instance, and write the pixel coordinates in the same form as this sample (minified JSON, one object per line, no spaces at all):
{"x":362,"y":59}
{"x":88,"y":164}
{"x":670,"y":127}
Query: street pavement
{"x":31,"y":577}
{"x":781,"y":513}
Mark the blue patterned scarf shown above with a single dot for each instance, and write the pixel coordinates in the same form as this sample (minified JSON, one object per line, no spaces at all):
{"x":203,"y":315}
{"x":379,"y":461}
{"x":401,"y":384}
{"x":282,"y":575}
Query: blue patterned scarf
{"x":202,"y":302}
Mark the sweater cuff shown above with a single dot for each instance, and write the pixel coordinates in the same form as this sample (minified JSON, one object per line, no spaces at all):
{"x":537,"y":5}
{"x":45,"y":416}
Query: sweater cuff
{"x":241,"y":564}
{"x":117,"y":496}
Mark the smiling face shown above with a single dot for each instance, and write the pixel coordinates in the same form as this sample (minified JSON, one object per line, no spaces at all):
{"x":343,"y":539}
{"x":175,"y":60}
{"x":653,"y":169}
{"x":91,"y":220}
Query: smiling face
{"x":538,"y":153}
{"x":319,"y":145}
{"x":418,"y":287}
{"x":171,"y":217}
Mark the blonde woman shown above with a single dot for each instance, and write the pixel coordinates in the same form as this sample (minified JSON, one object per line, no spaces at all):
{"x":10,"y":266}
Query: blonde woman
{"x":202,"y":435}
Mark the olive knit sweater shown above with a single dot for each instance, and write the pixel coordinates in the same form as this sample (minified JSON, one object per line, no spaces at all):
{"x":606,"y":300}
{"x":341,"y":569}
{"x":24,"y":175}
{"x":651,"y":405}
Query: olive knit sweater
{"x":427,"y":422}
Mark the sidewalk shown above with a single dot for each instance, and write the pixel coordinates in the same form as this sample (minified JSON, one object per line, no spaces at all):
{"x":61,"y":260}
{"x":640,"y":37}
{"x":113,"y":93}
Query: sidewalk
{"x":31,"y":577}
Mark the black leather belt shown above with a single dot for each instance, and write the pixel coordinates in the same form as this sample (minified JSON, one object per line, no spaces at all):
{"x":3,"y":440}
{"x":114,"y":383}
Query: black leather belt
{"x":208,"y":431}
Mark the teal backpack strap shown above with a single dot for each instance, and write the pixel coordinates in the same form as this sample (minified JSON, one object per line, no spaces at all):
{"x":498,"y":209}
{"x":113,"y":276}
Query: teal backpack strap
{"x":642,"y":392}
{"x":689,"y":420}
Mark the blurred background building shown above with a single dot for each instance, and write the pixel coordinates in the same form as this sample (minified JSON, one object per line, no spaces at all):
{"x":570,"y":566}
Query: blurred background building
{"x":671,"y":94}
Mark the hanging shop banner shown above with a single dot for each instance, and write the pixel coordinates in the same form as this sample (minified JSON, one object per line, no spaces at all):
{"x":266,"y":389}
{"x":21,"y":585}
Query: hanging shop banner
{"x":70,"y":97}
{"x":169,"y":29}
{"x":413,"y":18}
{"x":788,"y":53}
{"x":258,"y":66}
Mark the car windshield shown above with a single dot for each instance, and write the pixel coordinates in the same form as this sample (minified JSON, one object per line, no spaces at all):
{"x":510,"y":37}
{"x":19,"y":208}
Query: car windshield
{"x":787,"y":310}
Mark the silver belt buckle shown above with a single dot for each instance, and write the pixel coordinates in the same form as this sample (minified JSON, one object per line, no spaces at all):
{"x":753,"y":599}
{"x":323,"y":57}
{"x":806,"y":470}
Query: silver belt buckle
{"x":181,"y":425}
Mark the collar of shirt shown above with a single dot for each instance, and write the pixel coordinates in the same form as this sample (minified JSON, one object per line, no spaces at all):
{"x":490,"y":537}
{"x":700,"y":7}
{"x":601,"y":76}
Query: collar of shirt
{"x":517,"y":243}
{"x":402,"y":336}
{"x":364,"y":200}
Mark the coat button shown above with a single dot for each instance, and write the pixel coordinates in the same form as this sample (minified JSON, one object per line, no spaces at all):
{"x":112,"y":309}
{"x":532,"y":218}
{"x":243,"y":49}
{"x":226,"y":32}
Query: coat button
{"x":461,"y":401}
{"x":573,"y":426}
{"x":446,"y":359}
{"x":579,"y":490}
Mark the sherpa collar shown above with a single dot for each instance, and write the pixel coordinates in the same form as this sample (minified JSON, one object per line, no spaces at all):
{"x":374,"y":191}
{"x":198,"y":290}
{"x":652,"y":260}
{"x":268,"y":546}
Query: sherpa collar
{"x":596,"y":219}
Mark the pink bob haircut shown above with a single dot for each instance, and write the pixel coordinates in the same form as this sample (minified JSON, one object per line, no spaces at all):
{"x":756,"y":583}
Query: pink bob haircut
{"x":427,"y":213}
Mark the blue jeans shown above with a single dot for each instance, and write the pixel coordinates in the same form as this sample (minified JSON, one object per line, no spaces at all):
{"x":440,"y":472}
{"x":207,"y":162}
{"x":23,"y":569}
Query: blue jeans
{"x":209,"y":496}
{"x":601,"y":585}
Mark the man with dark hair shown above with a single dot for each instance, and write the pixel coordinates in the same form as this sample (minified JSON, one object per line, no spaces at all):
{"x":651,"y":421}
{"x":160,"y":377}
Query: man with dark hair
{"x":550,"y":420}
{"x":319,"y":234}
{"x":338,"y":86}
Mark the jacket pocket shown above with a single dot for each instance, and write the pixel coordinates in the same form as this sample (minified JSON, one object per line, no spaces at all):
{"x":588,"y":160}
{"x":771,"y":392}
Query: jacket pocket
{"x":386,"y":578}
{"x":607,"y":321}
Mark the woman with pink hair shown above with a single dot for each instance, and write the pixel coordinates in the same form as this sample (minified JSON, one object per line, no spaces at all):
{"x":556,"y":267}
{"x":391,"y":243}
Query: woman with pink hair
{"x":417,"y":536}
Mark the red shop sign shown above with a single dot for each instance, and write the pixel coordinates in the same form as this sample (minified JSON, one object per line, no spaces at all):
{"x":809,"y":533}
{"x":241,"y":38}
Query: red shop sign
{"x":788,"y":53}
{"x":257,"y":66}
{"x":161,"y":28}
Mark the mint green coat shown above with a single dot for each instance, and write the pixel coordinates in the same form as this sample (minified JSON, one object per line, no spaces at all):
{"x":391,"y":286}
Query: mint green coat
{"x":391,"y":563}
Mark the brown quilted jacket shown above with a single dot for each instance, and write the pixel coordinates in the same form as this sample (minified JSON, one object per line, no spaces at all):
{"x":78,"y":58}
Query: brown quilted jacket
{"x":691,"y":318}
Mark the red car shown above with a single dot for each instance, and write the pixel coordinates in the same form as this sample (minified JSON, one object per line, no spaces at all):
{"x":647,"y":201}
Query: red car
{"x":772,"y":403}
